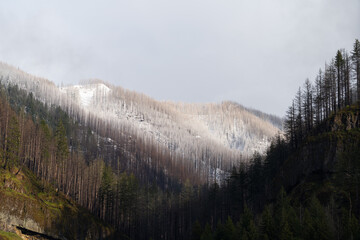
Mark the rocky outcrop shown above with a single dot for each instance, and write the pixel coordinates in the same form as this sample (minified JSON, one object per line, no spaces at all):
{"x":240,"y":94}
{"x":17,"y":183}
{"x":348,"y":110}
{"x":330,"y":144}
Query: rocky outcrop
{"x":34,"y":212}
{"x":346,"y":119}
{"x":319,"y":154}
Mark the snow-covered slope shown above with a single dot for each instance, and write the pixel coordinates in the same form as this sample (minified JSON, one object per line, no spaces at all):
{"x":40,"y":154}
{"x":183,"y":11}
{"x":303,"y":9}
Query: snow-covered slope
{"x":212,"y":136}
{"x":176,"y":124}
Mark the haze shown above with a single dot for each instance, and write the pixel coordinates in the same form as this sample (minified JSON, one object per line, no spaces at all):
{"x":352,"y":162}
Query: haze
{"x":254,"y":52}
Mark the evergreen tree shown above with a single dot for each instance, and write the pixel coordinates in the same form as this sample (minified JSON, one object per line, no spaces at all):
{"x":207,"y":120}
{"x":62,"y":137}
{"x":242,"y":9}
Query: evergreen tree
{"x":308,"y":106}
{"x":355,"y":57}
{"x":106,"y":192}
{"x":290,"y":125}
{"x":319,"y":98}
{"x":207,"y":234}
{"x":316,"y":223}
{"x":196,"y":231}
{"x":62,"y":149}
{"x":339,"y":61}
{"x":220,"y":233}
{"x":281,"y":216}
{"x":46,"y":140}
{"x":247,"y":226}
{"x":13,"y":143}
{"x":267,"y":226}
{"x":298,"y":118}
{"x":229,"y":229}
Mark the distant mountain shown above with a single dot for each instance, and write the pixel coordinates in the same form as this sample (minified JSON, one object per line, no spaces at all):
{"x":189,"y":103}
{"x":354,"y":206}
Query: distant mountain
{"x":176,"y":124}
{"x":210,"y":137}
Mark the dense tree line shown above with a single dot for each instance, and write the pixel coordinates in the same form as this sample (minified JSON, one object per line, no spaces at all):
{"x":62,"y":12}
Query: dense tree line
{"x":200,"y":141}
{"x":334,"y":88}
{"x":84,"y":165}
{"x":326,"y":207}
{"x":130,"y":182}
{"x":284,"y":220}
{"x":133,"y":195}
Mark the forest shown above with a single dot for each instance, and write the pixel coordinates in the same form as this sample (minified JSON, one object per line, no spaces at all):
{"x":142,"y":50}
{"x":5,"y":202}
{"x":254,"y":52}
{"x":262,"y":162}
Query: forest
{"x":304,"y":187}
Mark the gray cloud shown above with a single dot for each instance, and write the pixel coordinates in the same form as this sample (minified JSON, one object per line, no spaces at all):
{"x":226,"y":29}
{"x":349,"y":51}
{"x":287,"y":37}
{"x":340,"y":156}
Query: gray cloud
{"x":254,"y":52}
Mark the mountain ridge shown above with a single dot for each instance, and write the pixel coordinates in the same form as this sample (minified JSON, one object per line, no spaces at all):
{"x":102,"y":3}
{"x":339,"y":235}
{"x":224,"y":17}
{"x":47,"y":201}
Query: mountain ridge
{"x":211,"y":137}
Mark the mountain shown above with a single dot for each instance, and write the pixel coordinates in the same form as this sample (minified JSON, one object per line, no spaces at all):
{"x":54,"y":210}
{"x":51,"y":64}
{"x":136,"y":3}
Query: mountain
{"x":174,"y":124}
{"x":209,"y":138}
{"x":306,"y":186}
{"x":160,"y":170}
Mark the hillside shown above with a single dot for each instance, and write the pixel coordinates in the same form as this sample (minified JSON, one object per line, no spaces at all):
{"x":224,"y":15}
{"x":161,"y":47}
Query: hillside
{"x":307,"y":192}
{"x":31,"y":209}
{"x":204,"y":139}
{"x":306,"y":186}
{"x":332,"y":151}
{"x":173,"y":124}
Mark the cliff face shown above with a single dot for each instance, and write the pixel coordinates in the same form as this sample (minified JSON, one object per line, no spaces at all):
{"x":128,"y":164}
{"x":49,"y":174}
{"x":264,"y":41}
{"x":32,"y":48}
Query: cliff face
{"x":32,"y":210}
{"x":322,"y":153}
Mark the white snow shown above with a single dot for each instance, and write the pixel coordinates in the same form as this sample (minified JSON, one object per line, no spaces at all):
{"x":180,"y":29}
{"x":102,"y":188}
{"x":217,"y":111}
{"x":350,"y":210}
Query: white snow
{"x":86,"y":93}
{"x":204,"y":133}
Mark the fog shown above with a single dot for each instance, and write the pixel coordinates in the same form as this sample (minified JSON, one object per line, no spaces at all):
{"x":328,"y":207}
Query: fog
{"x":255,"y":52}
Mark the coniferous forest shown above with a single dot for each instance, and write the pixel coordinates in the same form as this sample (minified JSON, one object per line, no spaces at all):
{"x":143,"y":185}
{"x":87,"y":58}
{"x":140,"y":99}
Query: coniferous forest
{"x":306,"y":185}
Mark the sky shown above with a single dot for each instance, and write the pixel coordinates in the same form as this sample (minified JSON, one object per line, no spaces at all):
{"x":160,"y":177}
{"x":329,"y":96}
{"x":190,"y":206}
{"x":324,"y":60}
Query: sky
{"x":254,"y":52}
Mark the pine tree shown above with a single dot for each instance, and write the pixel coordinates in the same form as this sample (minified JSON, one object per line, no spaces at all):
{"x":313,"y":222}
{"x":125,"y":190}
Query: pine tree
{"x":319,"y":97}
{"x":355,"y":57}
{"x":196,"y":231}
{"x":220,"y":233}
{"x":62,"y":149}
{"x":267,"y":226}
{"x":299,"y":118}
{"x":229,"y":229}
{"x":316,"y":223}
{"x":247,"y":226}
{"x":339,"y":61}
{"x":46,"y":139}
{"x":281,"y":216}
{"x":207,"y":234}
{"x":290,"y":125}
{"x":308,"y":106}
{"x":106,"y":192}
{"x":13,"y":144}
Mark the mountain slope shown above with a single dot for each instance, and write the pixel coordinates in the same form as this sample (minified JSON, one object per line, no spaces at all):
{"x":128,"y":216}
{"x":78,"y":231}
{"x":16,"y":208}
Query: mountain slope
{"x":30,"y":208}
{"x":332,"y":149}
{"x":227,"y":124}
{"x":205,"y":139}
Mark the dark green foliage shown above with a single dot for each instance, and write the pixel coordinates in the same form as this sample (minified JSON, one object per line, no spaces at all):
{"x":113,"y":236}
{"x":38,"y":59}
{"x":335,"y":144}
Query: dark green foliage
{"x":220,"y":232}
{"x":106,"y":191}
{"x":226,"y":231}
{"x":13,"y":143}
{"x":282,"y":208}
{"x":318,"y":163}
{"x":62,"y":148}
{"x":247,"y":226}
{"x":127,"y":191}
{"x":267,"y":226}
{"x":46,"y":140}
{"x":196,"y":231}
{"x":229,"y":230}
{"x":207,"y":234}
{"x":347,"y":175}
{"x":316,"y":222}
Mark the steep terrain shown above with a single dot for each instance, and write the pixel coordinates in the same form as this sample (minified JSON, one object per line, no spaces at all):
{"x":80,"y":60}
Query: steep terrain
{"x":332,"y":149}
{"x":33,"y":210}
{"x":306,"y":192}
{"x":208,"y":138}
{"x":173,"y":124}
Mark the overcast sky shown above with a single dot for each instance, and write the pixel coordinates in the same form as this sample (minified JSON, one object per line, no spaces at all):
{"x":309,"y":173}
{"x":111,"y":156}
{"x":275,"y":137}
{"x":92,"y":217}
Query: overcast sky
{"x":255,"y":52}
